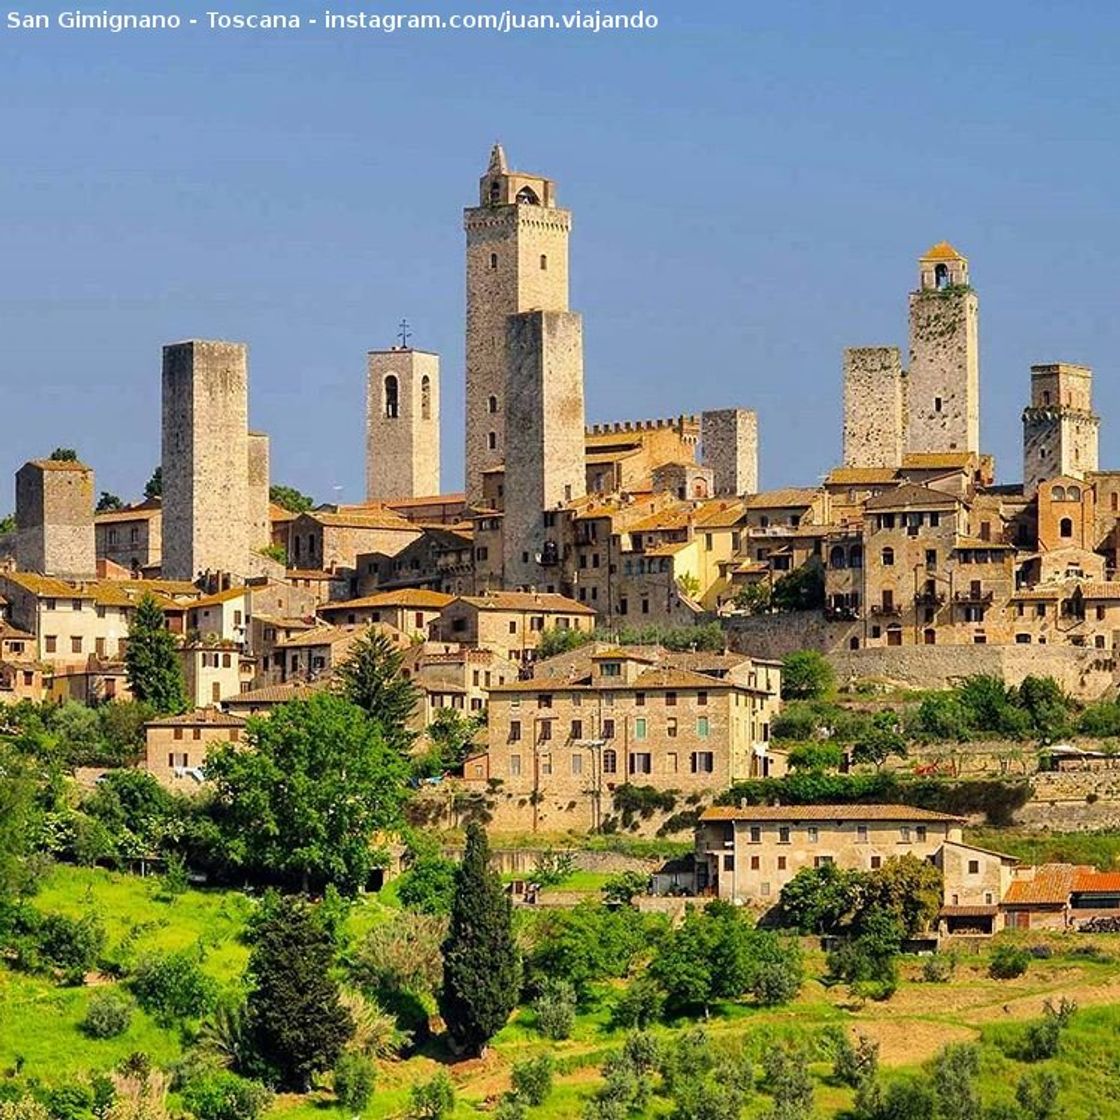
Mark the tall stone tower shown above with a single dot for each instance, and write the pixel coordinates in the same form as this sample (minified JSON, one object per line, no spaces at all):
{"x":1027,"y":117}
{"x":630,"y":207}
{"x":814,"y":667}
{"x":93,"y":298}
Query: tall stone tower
{"x":729,"y":445}
{"x":260,"y":518}
{"x":205,"y":459}
{"x":545,"y":462}
{"x":402,"y":424}
{"x":517,"y":261}
{"x":874,"y":406}
{"x":54,"y":519}
{"x":1060,"y":429}
{"x":943,"y":384}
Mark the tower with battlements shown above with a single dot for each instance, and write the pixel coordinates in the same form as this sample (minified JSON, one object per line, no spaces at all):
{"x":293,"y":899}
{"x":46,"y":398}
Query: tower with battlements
{"x":1060,"y":429}
{"x":402,"y":424}
{"x":206,"y":508}
{"x":517,"y":262}
{"x":943,"y":382}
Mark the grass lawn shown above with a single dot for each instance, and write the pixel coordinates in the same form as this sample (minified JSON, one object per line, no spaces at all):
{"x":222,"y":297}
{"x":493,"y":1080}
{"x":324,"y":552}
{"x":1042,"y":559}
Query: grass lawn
{"x":39,"y":1021}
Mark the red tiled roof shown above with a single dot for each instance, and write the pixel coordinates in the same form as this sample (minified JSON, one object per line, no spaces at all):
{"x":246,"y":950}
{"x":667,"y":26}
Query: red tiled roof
{"x":1051,"y":885}
{"x":825,"y":813}
{"x":1097,"y":881}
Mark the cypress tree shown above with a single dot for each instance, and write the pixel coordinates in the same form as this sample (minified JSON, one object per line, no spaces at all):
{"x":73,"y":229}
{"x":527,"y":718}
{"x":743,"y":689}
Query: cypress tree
{"x":297,"y":1023}
{"x":481,"y":972}
{"x":152,"y":661}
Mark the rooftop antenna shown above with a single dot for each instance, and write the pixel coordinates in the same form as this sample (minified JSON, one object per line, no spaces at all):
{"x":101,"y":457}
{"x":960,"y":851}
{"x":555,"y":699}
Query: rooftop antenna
{"x":404,"y":334}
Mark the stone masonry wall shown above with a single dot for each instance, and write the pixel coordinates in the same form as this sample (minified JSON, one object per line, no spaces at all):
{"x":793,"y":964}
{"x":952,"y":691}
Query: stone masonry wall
{"x":205,"y":458}
{"x":260,"y":521}
{"x":729,"y":437}
{"x":54,"y":519}
{"x":943,"y":391}
{"x":873,"y":407}
{"x":402,"y":451}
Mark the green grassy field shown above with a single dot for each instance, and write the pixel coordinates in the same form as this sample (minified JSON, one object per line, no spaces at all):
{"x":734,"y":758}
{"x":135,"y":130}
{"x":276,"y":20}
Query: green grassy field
{"x":39,"y":1021}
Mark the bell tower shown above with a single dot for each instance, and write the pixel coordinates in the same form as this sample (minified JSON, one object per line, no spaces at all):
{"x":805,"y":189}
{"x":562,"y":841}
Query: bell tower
{"x":517,"y":261}
{"x":943,"y":384}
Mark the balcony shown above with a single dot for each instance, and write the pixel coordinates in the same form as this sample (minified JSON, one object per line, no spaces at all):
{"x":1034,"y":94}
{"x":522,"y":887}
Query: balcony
{"x":886,"y":610}
{"x":974,"y":598}
{"x":841,"y":614}
{"x":929,"y":599}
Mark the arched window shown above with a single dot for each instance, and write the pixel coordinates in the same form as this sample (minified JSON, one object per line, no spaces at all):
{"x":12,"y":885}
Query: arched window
{"x":610,"y":762}
{"x":855,"y":556}
{"x":853,"y":642}
{"x":495,"y":191}
{"x":887,"y":557}
{"x":527,"y":197}
{"x":836,"y":558}
{"x":1058,"y":494}
{"x":425,"y":397}
{"x":1074,"y":493}
{"x":493,"y":260}
{"x":929,"y":637}
{"x":544,"y":263}
{"x":492,"y":441}
{"x":492,"y":405}
{"x":392,"y":397}
{"x":1065,"y":527}
{"x":700,"y":489}
{"x":941,"y":276}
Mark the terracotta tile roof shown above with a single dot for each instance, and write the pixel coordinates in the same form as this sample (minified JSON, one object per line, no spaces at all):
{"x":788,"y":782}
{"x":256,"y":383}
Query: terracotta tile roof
{"x":208,"y":717}
{"x":969,"y":911}
{"x":314,"y":573}
{"x":626,"y":653}
{"x":1097,"y":882}
{"x":528,"y":601}
{"x":942,"y":251}
{"x":365,"y":519}
{"x":278,"y":693}
{"x":790,"y":497}
{"x":678,"y":678}
{"x":670,"y":549}
{"x":978,"y":542}
{"x":1050,"y":886}
{"x":406,"y":597}
{"x":1109,"y":590}
{"x":220,"y":597}
{"x":847,"y":476}
{"x":331,"y":635}
{"x":47,"y":586}
{"x":826,"y":813}
{"x":909,"y":495}
{"x":720,"y":514}
{"x":145,"y":511}
{"x":672,"y":517}
{"x":937,"y":460}
{"x":9,"y":633}
{"x":433,"y":500}
{"x":279,"y":513}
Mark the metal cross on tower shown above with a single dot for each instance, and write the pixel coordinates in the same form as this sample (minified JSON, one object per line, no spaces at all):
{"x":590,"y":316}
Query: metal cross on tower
{"x":404,"y":334}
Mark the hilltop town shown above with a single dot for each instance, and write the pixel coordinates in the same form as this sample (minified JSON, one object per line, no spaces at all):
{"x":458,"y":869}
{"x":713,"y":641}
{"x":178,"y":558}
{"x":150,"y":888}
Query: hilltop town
{"x":890,"y":694}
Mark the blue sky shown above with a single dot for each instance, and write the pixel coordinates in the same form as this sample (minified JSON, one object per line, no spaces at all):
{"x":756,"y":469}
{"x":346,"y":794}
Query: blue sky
{"x":751,"y":185}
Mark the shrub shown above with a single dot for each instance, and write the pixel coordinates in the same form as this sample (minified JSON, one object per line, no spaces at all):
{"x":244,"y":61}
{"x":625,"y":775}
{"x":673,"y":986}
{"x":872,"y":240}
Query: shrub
{"x":639,"y":1006}
{"x":71,"y":945}
{"x":1008,"y":962}
{"x":354,"y":1079}
{"x":556,"y":1009}
{"x":428,"y":885}
{"x":816,"y":756}
{"x":938,"y":968}
{"x":108,"y":1015}
{"x":173,"y":986}
{"x":432,"y":1100}
{"x":806,"y":675}
{"x":1041,"y":1039}
{"x":221,"y":1095}
{"x":510,"y":1105}
{"x":855,"y":1064}
{"x":532,"y":1079}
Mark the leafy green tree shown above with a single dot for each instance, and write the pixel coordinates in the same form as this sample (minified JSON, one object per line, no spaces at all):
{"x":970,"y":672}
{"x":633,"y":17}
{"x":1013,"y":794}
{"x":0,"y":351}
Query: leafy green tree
{"x":481,"y":971}
{"x":155,"y":674}
{"x":108,"y":503}
{"x":555,"y":1008}
{"x":806,"y":675}
{"x":816,"y":756}
{"x":1046,"y":705}
{"x":401,"y":955}
{"x":370,"y":677}
{"x":800,"y":590}
{"x":789,"y":1083}
{"x":354,"y":1079}
{"x":880,"y":741}
{"x":19,"y":816}
{"x":307,"y":800}
{"x":910,"y":1099}
{"x":555,"y":640}
{"x":1037,"y":1095}
{"x":956,"y":1071}
{"x":153,"y":488}
{"x":298,"y":1024}
{"x":908,"y":889}
{"x":821,"y":899}
{"x":64,"y":455}
{"x":289,"y":498}
{"x":1008,"y":961}
{"x":7,"y":524}
{"x":451,"y":737}
{"x":532,"y":1078}
{"x":1101,"y":720}
{"x":428,"y":884}
{"x":688,"y":585}
{"x":173,"y":987}
{"x":754,"y":598}
{"x":222,"y":1095}
{"x":121,"y":731}
{"x":432,"y":1100}
{"x":639,"y":1006}
{"x":941,"y":715}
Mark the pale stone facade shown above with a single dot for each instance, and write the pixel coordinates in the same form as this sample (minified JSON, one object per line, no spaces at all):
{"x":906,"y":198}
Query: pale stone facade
{"x":260,"y":507}
{"x":729,"y":439}
{"x":517,"y":261}
{"x":205,"y":458}
{"x":544,"y":449}
{"x":943,"y":382}
{"x":54,"y":519}
{"x":1060,"y":429}
{"x":402,"y":424}
{"x":175,"y":747}
{"x":874,"y":407}
{"x":130,"y":537}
